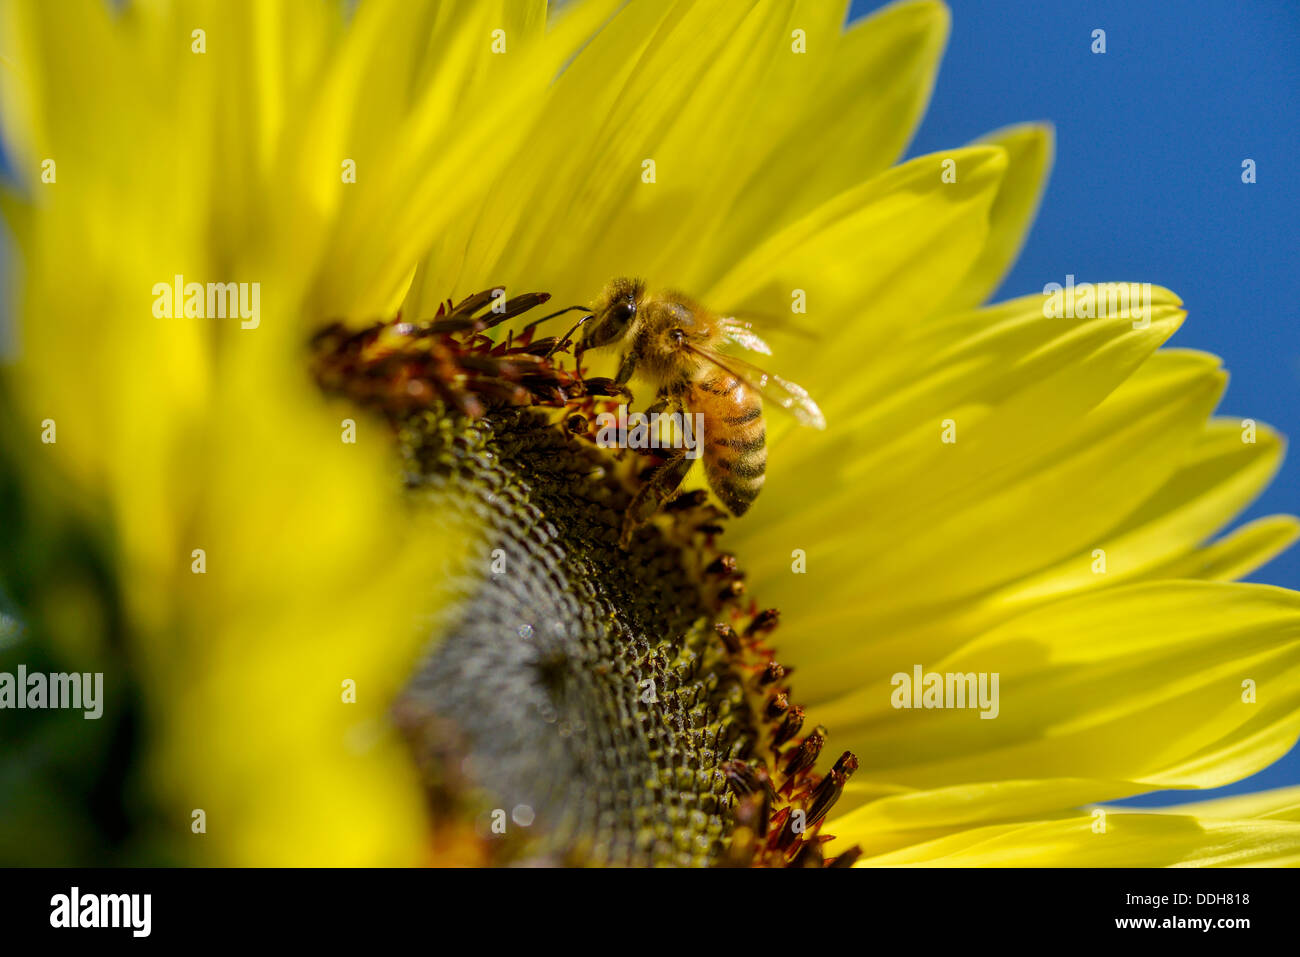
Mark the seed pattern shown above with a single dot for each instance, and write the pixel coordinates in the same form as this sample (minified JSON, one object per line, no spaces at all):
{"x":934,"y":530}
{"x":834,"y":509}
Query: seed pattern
{"x":614,"y":720}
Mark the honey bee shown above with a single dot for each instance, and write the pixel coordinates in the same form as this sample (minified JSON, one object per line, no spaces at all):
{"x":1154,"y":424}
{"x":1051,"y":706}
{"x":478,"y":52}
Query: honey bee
{"x":675,"y":343}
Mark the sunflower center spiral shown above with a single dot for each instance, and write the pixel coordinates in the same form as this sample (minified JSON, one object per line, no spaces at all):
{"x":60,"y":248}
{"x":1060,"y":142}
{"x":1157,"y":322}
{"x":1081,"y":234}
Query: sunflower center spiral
{"x":581,"y":682}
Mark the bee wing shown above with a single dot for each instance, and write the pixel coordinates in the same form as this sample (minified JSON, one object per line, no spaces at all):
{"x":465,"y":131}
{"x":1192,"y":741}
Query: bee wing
{"x":780,"y":392}
{"x":772,"y":322}
{"x":739,"y":333}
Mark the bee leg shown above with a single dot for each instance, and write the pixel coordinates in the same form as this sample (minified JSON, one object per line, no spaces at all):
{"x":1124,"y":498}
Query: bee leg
{"x":578,"y":350}
{"x":661,"y":487}
{"x":667,"y":400}
{"x":605,"y":386}
{"x":626,"y":368}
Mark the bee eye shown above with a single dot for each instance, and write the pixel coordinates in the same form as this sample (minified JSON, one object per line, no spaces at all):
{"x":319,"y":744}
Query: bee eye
{"x":610,"y":325}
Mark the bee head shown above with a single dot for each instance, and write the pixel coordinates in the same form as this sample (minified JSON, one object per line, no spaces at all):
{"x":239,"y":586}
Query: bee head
{"x":614,"y":313}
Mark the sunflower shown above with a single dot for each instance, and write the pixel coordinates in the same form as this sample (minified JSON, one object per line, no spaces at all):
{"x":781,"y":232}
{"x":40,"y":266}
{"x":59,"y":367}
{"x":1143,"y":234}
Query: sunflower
{"x":363,"y":584}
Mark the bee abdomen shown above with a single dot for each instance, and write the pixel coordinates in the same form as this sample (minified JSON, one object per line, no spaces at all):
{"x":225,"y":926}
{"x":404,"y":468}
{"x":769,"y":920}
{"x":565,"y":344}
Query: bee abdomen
{"x":735,"y":441}
{"x":736,"y":466}
{"x":745,"y":417}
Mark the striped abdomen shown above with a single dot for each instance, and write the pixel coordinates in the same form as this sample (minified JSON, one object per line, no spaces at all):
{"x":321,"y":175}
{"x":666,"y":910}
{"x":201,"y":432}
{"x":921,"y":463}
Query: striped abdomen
{"x":735,"y":449}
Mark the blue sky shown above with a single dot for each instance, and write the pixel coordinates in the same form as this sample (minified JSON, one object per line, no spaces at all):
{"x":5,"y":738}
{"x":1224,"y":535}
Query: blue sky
{"x":1147,"y":184}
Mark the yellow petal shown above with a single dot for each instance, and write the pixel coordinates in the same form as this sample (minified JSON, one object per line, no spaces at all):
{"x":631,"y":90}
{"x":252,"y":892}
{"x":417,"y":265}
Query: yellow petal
{"x":1281,"y":804}
{"x":1237,"y":554}
{"x":1175,"y":658}
{"x":1029,"y":160}
{"x":911,"y":824}
{"x":1217,"y":478}
{"x":583,"y":175}
{"x":819,"y":139}
{"x":864,"y":500}
{"x":866,"y":264}
{"x":1128,"y":840}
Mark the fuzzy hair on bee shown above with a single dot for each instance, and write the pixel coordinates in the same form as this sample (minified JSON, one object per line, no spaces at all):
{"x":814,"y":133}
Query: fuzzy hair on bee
{"x":676,"y":343}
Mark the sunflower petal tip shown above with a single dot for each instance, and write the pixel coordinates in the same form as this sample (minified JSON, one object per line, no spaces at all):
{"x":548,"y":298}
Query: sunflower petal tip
{"x":927,"y":16}
{"x":1029,"y":131}
{"x":1167,"y":295}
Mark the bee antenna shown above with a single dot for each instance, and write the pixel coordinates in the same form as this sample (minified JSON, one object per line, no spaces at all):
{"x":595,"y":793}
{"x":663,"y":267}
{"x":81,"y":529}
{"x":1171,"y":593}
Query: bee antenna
{"x":538,"y":322}
{"x":565,"y":338}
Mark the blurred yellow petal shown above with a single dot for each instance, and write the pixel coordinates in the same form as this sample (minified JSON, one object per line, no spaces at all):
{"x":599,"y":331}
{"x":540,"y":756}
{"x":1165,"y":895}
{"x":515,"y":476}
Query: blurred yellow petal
{"x":1236,"y":554}
{"x":262,"y":561}
{"x":1282,"y":804}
